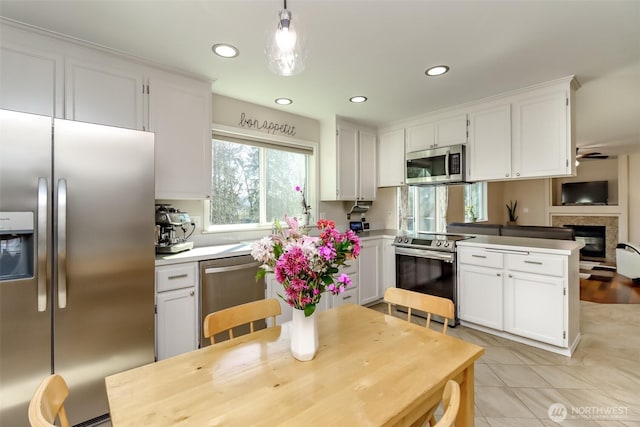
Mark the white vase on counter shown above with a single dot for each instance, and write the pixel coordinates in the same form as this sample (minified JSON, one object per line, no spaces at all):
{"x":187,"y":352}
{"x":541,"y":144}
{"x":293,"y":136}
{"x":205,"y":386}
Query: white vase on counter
{"x":304,"y":336}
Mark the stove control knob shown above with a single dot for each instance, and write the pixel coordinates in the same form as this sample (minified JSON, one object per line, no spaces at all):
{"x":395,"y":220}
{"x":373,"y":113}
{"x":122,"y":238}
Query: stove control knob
{"x":438,"y":243}
{"x":446,"y":244}
{"x":399,"y":239}
{"x":406,"y":240}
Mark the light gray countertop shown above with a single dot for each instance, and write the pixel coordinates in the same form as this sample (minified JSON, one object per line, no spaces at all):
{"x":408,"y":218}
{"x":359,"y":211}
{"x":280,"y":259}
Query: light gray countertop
{"x":241,"y":248}
{"x":564,"y":247}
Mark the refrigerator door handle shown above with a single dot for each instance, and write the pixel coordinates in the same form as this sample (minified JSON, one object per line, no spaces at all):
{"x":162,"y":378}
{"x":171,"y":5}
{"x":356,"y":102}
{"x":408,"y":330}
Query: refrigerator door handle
{"x":42,"y":243}
{"x":62,"y":243}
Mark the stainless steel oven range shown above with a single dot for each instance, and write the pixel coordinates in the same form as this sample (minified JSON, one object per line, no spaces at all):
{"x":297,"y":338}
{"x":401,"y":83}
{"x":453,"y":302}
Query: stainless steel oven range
{"x":426,"y":263}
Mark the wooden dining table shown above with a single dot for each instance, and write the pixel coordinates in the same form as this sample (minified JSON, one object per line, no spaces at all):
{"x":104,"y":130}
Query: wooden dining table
{"x":371,"y":369}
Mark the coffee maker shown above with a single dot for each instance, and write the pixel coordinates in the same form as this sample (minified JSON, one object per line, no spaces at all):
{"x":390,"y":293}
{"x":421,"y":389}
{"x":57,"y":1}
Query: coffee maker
{"x":172,"y":226}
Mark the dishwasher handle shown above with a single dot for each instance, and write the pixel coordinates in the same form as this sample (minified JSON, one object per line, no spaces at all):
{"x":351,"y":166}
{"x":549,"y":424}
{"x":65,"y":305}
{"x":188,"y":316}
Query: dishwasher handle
{"x":213,"y":270}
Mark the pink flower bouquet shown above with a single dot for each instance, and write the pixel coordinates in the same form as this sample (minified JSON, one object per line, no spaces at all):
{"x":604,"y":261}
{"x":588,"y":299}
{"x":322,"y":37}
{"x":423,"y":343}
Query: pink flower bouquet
{"x":305,"y":265}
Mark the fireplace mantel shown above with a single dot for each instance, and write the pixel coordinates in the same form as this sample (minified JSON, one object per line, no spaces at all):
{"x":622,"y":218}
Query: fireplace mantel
{"x":610,"y":222}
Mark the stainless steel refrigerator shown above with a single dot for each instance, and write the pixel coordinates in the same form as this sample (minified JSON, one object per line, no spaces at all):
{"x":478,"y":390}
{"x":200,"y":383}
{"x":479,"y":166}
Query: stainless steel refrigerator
{"x":76,"y":259}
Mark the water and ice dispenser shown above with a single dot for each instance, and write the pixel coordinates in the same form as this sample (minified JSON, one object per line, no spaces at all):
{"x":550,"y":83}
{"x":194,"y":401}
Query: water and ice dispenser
{"x":16,"y":245}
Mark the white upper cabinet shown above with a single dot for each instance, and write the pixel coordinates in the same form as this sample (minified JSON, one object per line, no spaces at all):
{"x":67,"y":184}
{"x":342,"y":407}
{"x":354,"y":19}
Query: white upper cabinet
{"x":420,"y":137}
{"x":71,"y":80}
{"x":526,"y":135}
{"x":366,"y":165}
{"x":180,"y":116}
{"x":97,"y":93}
{"x":31,"y":81}
{"x":391,"y":158}
{"x":540,"y":135}
{"x":437,"y":131}
{"x":451,"y":130}
{"x":489,"y":149}
{"x":347,"y":162}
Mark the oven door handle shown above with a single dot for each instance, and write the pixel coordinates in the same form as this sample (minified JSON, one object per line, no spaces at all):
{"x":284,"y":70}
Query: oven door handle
{"x":423,"y":253}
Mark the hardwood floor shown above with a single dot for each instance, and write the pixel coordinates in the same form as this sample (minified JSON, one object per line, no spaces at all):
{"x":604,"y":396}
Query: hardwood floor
{"x":616,"y":289}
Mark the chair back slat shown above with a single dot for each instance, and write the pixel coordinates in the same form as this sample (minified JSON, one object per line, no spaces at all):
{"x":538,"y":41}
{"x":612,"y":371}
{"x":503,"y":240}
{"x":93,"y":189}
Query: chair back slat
{"x":430,"y":304}
{"x":229,"y":318}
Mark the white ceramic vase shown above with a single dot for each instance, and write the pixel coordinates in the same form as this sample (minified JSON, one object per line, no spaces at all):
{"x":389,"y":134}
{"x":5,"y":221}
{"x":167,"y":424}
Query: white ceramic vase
{"x":304,"y":335}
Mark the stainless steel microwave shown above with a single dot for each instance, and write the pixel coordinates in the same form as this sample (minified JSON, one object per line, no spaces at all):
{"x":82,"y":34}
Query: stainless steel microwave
{"x":442,"y":165}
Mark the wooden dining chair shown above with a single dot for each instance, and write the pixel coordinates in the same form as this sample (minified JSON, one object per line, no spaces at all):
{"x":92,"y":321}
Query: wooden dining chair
{"x":48,"y":403}
{"x":229,"y":318}
{"x":417,"y":301}
{"x":450,"y":405}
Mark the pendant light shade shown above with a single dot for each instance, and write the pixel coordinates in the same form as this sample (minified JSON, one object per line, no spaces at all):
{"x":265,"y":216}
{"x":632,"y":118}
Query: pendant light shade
{"x":285,"y":45}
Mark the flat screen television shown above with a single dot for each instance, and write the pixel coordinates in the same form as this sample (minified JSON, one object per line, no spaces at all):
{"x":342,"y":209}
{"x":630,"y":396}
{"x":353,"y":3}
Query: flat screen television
{"x":585,"y":193}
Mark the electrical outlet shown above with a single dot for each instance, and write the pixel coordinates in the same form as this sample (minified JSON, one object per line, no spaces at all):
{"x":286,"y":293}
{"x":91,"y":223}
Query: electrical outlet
{"x":197,"y":221}
{"x":525,"y":210}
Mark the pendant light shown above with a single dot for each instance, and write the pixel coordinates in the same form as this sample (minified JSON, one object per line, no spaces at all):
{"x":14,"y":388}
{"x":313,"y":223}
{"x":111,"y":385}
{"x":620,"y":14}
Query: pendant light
{"x":285,"y":48}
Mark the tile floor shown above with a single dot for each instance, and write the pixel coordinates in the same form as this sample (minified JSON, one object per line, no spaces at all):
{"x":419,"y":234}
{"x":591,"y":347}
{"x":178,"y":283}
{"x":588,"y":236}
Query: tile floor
{"x":515,"y":384}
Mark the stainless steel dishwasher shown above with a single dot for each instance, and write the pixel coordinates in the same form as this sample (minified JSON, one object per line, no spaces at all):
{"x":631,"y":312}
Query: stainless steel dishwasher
{"x":227,"y":282}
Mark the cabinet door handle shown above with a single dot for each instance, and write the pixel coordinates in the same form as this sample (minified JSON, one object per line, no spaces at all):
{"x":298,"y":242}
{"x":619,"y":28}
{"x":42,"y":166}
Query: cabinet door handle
{"x":510,"y":276}
{"x":478,"y":256}
{"x":518,"y":174}
{"x":192,"y":293}
{"x":498,"y":274}
{"x":532,"y":262}
{"x":506,"y":175}
{"x":346,"y":297}
{"x":178,"y":276}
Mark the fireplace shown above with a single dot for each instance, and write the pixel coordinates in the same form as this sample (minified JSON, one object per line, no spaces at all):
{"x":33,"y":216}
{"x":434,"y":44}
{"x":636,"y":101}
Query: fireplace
{"x":594,"y":238}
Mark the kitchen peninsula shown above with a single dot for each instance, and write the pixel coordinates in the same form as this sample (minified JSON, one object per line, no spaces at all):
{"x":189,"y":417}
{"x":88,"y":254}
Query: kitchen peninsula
{"x":523,"y":289}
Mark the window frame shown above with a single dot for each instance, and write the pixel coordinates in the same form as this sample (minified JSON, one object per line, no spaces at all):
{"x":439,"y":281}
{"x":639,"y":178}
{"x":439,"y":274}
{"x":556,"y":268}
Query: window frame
{"x":483,"y":211}
{"x":227,"y":133}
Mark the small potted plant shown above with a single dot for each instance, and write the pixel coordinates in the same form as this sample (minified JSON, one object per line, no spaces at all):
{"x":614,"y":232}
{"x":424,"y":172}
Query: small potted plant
{"x":511,"y":209}
{"x":470,"y":212}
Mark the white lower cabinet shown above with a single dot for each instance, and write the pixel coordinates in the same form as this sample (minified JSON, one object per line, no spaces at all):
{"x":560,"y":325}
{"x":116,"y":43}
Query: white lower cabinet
{"x":177,"y":319}
{"x":520,"y":294}
{"x":534,"y":307}
{"x":481,"y":296}
{"x":388,"y":264}
{"x":369,"y":271}
{"x":350,"y":295}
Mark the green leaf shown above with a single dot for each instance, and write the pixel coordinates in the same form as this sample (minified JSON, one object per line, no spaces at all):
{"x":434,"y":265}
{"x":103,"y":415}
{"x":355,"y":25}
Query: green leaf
{"x":309,"y":309}
{"x":327,"y":279}
{"x":260,"y":274}
{"x":332,"y":270}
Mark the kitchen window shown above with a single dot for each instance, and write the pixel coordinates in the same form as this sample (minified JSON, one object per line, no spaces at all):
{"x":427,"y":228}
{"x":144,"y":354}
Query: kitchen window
{"x":426,"y":208}
{"x":253,"y":183}
{"x":475,"y":202}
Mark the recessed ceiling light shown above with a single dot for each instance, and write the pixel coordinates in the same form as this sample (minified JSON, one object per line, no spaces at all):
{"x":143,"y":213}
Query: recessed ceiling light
{"x":283,"y":101}
{"x":358,"y":99}
{"x":438,"y":70}
{"x":225,"y":50}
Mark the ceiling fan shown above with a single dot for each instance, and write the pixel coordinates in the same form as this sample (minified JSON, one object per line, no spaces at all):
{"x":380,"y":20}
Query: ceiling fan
{"x":590,"y":155}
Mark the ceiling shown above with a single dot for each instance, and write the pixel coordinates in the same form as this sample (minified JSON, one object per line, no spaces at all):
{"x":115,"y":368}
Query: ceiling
{"x":380,"y":49}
